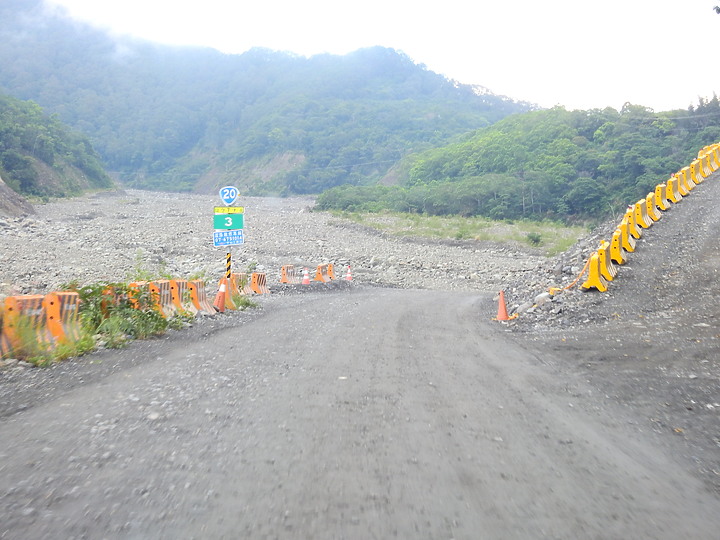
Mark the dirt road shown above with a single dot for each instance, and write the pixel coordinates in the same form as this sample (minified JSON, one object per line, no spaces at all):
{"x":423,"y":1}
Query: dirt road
{"x":363,"y":413}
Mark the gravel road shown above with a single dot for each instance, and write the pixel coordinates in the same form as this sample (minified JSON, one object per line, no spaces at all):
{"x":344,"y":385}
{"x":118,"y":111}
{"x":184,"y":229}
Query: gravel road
{"x":359,"y":413}
{"x":386,"y":407}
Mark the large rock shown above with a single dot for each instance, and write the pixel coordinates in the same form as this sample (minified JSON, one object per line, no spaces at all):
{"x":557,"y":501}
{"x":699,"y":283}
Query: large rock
{"x":12,"y":204}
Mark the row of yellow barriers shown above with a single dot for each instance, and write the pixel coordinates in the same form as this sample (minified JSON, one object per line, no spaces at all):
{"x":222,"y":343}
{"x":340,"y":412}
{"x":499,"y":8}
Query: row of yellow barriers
{"x":643,"y":214}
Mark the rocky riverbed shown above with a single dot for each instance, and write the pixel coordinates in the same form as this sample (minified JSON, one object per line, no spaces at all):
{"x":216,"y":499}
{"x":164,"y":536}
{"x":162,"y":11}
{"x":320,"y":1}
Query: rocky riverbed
{"x":125,"y":235}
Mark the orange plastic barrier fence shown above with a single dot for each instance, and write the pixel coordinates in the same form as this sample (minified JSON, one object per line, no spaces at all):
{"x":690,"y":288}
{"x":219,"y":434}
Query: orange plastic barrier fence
{"x":161,"y":297}
{"x":5,"y":347}
{"x":181,"y":299}
{"x":62,"y":310}
{"x":138,"y":294}
{"x":29,"y":308}
{"x":259,"y":283}
{"x":324,"y":272}
{"x":242,"y":283}
{"x":288,"y":275}
{"x":198,"y":297}
{"x":109,"y":298}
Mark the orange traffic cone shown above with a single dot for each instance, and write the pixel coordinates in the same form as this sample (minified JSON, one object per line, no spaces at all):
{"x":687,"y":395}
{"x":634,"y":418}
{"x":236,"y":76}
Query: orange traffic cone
{"x":306,"y":277}
{"x":502,"y":314}
{"x":348,"y":277}
{"x":219,"y":302}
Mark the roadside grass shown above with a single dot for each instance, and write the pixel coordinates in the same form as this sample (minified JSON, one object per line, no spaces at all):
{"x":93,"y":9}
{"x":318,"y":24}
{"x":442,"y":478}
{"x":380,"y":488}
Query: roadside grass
{"x":551,"y":237}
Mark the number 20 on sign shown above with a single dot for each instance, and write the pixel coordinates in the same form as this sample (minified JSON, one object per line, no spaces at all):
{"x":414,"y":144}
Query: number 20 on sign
{"x":229,"y":194}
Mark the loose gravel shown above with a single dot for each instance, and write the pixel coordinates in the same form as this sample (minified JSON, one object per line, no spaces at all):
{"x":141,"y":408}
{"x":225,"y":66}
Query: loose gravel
{"x":122,"y":235}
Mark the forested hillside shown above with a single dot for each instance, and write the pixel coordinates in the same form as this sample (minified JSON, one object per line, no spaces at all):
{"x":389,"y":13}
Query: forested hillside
{"x":40,"y":156}
{"x":554,"y":164}
{"x":189,"y":118}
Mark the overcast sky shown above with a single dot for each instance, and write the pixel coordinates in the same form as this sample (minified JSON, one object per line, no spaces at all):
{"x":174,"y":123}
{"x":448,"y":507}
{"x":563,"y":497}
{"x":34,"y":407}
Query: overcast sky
{"x":578,"y":53}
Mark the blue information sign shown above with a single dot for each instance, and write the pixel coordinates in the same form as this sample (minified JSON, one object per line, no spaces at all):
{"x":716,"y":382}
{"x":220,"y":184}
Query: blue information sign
{"x":233,"y":237}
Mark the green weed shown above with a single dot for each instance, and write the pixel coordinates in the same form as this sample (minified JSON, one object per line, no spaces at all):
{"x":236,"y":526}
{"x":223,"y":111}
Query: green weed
{"x":553,"y":237}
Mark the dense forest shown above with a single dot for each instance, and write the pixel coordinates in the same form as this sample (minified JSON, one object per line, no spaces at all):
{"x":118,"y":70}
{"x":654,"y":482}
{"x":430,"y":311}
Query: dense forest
{"x":554,"y":164}
{"x":40,"y":156}
{"x":181,"y":118}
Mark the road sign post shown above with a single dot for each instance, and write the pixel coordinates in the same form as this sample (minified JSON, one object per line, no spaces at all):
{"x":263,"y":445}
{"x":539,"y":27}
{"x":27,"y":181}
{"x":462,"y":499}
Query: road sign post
{"x":228,"y":224}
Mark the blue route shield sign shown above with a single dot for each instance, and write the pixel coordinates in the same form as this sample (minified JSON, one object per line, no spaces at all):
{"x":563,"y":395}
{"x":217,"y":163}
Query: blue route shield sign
{"x":229,"y":194}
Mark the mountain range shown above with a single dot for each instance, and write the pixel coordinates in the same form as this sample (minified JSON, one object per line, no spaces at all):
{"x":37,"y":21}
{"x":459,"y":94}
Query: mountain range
{"x":193,"y":119}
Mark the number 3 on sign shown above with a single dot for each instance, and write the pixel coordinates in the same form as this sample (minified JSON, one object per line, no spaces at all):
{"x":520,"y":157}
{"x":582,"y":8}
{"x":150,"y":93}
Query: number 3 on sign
{"x":229,"y":194}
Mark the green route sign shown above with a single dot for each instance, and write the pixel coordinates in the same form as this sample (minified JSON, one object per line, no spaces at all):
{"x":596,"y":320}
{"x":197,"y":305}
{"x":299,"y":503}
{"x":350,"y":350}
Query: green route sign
{"x":228,"y":221}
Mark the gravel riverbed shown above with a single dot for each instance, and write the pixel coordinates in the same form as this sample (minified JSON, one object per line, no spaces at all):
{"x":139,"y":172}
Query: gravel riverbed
{"x":118,"y":236}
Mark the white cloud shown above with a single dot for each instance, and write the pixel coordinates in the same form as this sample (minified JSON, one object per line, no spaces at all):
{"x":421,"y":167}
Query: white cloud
{"x":579,"y":54}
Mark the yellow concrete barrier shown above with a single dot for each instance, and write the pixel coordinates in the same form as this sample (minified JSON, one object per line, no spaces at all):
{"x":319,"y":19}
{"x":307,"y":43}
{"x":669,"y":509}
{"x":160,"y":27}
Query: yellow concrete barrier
{"x":641,"y":216}
{"x":607,"y":269}
{"x":681,"y":184}
{"x":714,"y":152}
{"x":671,"y":191}
{"x":633,"y":229}
{"x":695,"y":172}
{"x":617,"y":252}
{"x":651,"y":208}
{"x":708,"y":168}
{"x":595,"y":279}
{"x":686,"y":179}
{"x":626,"y":239}
{"x":660,"y":199}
